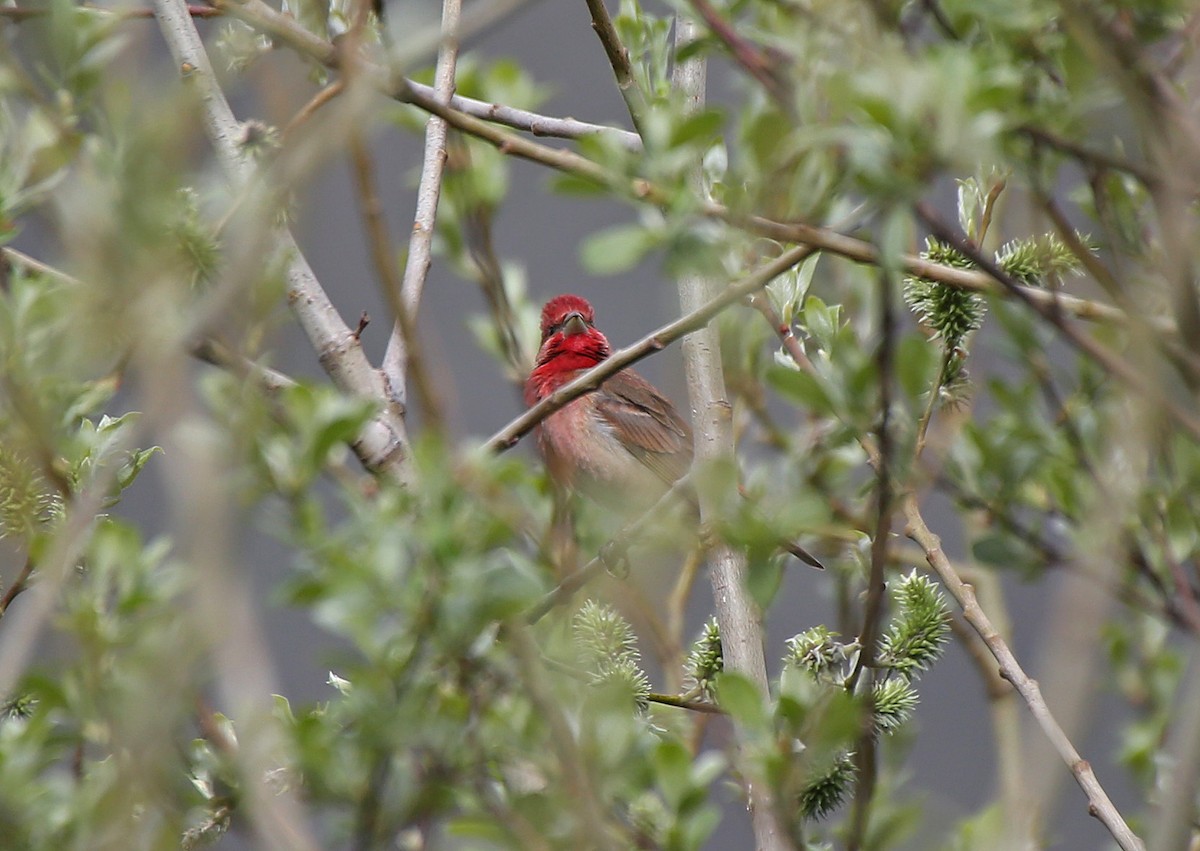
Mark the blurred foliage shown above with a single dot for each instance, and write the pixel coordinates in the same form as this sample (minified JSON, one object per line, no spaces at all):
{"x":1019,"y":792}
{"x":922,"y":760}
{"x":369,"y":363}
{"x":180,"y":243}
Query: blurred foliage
{"x":451,"y":721}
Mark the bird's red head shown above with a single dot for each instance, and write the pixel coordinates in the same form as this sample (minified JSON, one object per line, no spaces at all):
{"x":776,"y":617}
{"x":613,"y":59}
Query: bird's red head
{"x":570,"y":343}
{"x":559,"y":309}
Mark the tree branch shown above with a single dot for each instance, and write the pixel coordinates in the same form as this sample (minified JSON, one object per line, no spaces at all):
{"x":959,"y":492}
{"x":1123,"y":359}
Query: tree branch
{"x":1099,"y":804}
{"x":618,"y":58}
{"x":403,"y":346}
{"x":873,"y":609}
{"x":338,"y":348}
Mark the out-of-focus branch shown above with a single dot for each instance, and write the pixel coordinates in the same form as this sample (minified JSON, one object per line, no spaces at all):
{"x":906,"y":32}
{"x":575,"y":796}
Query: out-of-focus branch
{"x":403,"y":350}
{"x":1099,"y":804}
{"x":338,"y":347}
{"x":475,"y":219}
{"x":873,"y":609}
{"x":16,"y":14}
{"x":591,"y":830}
{"x":20,"y":583}
{"x":761,"y":63}
{"x":1174,"y":824}
{"x":384,"y":259}
{"x":618,"y":58}
{"x":648,"y":345}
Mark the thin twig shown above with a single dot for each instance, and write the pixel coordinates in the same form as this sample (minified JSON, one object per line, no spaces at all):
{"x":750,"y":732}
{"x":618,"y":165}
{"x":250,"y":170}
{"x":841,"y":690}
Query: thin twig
{"x":686,"y":703}
{"x":17,"y":14}
{"x":592,"y":830}
{"x":762,"y":64}
{"x":403,"y":350}
{"x":19,"y":584}
{"x":532,"y":122}
{"x":1089,"y":157}
{"x":618,"y":58}
{"x":611,"y":554}
{"x":383,"y":257}
{"x":309,"y":109}
{"x":873,"y":610}
{"x":1100,"y":805}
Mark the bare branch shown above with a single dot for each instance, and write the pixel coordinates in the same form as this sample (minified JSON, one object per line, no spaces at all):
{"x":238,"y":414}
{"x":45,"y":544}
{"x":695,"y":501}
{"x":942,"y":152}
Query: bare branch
{"x":21,"y":13}
{"x":403,"y":347}
{"x":532,"y":122}
{"x":1099,"y":804}
{"x":339,"y":350}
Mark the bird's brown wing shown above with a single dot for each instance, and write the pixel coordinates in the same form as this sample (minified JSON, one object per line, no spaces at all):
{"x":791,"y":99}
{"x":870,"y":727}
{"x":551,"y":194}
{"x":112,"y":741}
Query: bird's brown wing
{"x":646,"y":424}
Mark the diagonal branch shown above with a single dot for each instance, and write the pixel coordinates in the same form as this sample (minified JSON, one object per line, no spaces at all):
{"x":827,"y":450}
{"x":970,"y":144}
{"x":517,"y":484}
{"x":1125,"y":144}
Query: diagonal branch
{"x":1099,"y":804}
{"x":618,"y":58}
{"x":338,"y":347}
{"x":763,"y":64}
{"x":648,"y":345}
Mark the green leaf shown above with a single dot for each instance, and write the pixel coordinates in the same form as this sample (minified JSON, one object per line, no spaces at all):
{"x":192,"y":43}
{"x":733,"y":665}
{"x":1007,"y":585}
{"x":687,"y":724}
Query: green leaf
{"x":803,"y":388}
{"x":999,"y":550}
{"x":616,"y":249}
{"x":742,"y":700}
{"x":703,"y":126}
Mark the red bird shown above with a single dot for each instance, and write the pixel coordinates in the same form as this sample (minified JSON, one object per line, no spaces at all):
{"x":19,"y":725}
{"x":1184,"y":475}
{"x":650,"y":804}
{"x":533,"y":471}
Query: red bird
{"x":623,"y":442}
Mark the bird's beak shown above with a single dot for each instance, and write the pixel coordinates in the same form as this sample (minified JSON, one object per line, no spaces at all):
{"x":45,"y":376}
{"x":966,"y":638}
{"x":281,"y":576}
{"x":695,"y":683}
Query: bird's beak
{"x":574,"y":324}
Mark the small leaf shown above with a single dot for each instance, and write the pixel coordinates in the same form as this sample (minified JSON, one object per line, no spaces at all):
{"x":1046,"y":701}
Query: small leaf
{"x":616,"y":249}
{"x":742,"y":700}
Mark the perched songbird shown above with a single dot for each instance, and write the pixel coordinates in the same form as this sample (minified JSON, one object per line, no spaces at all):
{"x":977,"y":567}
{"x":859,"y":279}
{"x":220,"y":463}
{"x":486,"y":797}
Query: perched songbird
{"x":623,"y":442}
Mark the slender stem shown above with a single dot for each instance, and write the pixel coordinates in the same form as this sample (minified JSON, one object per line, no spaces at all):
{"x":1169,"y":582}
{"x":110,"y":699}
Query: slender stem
{"x":592,"y":830}
{"x":19,"y":584}
{"x":384,"y":258}
{"x":761,"y":63}
{"x":1174,"y":824}
{"x":1099,"y":804}
{"x":612,"y":553}
{"x":685,"y":703}
{"x":873,"y":610}
{"x":22,"y":13}
{"x":618,"y":58}
{"x":402,"y":350}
